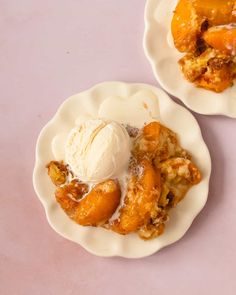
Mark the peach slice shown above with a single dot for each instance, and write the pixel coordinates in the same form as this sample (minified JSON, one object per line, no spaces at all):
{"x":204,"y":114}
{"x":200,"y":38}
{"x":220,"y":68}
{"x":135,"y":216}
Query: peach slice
{"x":217,"y":12}
{"x":222,"y":38}
{"x":143,"y":192}
{"x":192,"y":17}
{"x":185,"y":26}
{"x":95,"y":208}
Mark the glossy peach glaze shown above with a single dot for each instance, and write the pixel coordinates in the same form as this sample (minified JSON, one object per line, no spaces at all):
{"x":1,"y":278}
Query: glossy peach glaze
{"x":95,"y":208}
{"x":222,"y":38}
{"x":140,"y":202}
{"x":217,"y":12}
{"x":184,"y":27}
{"x":190,"y":15}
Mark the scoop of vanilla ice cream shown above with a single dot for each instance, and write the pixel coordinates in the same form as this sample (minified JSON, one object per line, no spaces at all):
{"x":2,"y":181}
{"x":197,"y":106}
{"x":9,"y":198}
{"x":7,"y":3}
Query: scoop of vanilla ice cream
{"x":97,"y":150}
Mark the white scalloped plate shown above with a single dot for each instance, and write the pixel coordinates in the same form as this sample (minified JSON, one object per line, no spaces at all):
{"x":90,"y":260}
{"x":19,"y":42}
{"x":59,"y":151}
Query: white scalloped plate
{"x":97,"y":240}
{"x":160,"y":51}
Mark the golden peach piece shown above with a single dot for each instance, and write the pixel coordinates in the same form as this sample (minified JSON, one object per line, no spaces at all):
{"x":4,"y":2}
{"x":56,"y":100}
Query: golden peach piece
{"x":211,"y":70}
{"x":185,"y":26}
{"x":157,"y":143}
{"x":152,"y":131}
{"x":58,"y":172}
{"x":222,"y":39}
{"x":146,"y":143}
{"x":140,"y":204}
{"x":95,"y":208}
{"x":217,"y":82}
{"x":217,"y":12}
{"x":192,"y":17}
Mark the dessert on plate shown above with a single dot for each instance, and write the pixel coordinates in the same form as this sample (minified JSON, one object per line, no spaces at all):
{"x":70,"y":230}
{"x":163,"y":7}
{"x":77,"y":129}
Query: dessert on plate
{"x":125,"y":164}
{"x":205,"y":30}
{"x":122,"y":178}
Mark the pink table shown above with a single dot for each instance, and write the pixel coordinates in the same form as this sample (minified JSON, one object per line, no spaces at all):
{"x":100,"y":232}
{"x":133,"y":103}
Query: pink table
{"x":50,"y":50}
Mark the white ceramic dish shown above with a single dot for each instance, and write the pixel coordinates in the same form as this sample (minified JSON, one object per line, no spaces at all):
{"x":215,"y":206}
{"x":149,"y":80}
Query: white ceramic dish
{"x":97,"y":240}
{"x":160,"y":51}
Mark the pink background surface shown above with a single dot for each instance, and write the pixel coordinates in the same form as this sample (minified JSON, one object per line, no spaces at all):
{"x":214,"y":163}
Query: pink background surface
{"x":50,"y":50}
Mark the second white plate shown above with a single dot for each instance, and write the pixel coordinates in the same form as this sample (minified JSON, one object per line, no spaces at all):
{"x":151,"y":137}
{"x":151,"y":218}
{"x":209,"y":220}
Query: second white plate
{"x":163,"y":56}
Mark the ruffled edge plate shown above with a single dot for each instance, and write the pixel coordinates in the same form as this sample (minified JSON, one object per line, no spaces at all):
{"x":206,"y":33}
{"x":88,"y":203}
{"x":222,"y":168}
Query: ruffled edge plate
{"x":163,"y":57}
{"x":97,"y":240}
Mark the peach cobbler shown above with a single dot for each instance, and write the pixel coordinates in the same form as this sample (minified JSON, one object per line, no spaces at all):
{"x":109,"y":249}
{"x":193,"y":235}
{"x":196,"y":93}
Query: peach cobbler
{"x":121,"y":178}
{"x":206,"y":31}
